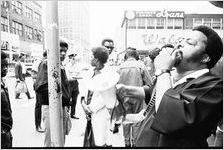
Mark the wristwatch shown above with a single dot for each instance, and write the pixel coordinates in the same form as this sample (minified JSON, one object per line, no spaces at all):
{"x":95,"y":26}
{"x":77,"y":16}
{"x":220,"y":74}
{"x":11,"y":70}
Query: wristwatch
{"x":159,"y":72}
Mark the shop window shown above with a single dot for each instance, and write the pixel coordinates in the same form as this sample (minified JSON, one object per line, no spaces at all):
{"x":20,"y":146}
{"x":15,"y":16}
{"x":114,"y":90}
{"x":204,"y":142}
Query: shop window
{"x":141,"y":23}
{"x":197,"y":21}
{"x":151,"y":23}
{"x":170,"y":23}
{"x":189,"y":23}
{"x":207,"y":22}
{"x":216,"y":24}
{"x":178,"y":23}
{"x":160,"y":23}
{"x":132,"y":24}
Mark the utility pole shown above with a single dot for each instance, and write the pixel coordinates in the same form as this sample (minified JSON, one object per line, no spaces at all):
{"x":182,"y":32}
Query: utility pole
{"x":54,"y":74}
{"x":126,"y":33}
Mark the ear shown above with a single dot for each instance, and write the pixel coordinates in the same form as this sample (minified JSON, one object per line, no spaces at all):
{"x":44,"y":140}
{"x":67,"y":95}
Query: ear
{"x":205,"y":59}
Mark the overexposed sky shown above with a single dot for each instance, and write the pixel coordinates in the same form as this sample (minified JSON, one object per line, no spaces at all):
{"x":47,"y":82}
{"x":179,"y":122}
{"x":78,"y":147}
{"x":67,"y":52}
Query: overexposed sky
{"x":106,"y":16}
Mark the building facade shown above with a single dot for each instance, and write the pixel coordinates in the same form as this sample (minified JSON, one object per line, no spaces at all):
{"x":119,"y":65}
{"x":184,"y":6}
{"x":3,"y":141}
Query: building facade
{"x":21,"y":21}
{"x":74,"y":20}
{"x":147,"y":29}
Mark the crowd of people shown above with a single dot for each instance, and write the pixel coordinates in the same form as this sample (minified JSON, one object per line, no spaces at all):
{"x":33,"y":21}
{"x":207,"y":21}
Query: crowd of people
{"x":175,"y":103}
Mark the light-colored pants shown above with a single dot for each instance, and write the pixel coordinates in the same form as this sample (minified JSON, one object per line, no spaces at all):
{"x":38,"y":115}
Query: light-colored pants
{"x":46,"y":121}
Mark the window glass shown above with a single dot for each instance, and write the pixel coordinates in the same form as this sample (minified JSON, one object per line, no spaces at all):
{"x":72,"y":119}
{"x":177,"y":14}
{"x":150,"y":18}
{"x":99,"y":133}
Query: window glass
{"x":160,"y":23}
{"x":178,"y":23}
{"x":207,"y":22}
{"x":29,"y":32}
{"x":37,"y":17}
{"x":132,"y":24}
{"x":189,"y":23}
{"x":29,"y":13}
{"x":197,"y":21}
{"x":17,"y":28}
{"x":151,"y":22}
{"x":4,"y":24}
{"x":17,"y":7}
{"x":141,"y":23}
{"x":170,"y":23}
{"x":216,"y":23}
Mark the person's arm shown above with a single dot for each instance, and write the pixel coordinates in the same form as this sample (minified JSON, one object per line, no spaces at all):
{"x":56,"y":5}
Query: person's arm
{"x":162,"y":85}
{"x":165,"y":60}
{"x":134,"y":118}
{"x":130,"y":91}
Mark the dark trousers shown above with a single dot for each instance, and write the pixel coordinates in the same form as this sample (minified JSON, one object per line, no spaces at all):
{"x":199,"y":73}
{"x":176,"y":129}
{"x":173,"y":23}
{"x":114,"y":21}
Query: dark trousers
{"x":27,"y":93}
{"x":6,"y":139}
{"x":37,"y":111}
{"x":74,"y":96}
{"x":132,"y":106}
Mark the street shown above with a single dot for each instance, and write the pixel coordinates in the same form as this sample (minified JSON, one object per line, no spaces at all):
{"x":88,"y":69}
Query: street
{"x":24,"y":132}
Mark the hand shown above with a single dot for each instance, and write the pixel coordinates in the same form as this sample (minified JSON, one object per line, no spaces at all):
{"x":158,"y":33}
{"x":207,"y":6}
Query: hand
{"x":165,"y":59}
{"x":85,"y":108}
{"x":135,"y":118}
{"x":121,"y":90}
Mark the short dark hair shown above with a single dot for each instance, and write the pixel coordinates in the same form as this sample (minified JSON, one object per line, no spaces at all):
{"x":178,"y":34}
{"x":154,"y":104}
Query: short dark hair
{"x":132,"y":53}
{"x":214,"y":45}
{"x":131,"y":48}
{"x":20,"y":56}
{"x":45,"y":53}
{"x":63,"y":44}
{"x":155,"y":52}
{"x":105,"y":40}
{"x":101,"y":53}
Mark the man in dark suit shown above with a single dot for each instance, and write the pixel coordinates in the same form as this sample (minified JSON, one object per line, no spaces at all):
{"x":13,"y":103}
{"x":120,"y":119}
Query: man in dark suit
{"x":20,"y":76}
{"x":188,"y":110}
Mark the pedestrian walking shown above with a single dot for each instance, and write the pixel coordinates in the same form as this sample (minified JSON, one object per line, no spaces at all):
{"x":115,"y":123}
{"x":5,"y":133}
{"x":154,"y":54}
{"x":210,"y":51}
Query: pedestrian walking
{"x":6,"y":111}
{"x":41,"y":87}
{"x":186,"y":112}
{"x":20,"y":74}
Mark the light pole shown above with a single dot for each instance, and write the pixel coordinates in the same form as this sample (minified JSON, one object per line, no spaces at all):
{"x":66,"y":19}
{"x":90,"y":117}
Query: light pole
{"x":129,"y":15}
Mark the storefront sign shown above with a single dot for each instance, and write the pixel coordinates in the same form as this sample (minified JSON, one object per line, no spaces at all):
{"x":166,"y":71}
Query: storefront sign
{"x":149,"y":39}
{"x":158,"y":14}
{"x":143,"y":40}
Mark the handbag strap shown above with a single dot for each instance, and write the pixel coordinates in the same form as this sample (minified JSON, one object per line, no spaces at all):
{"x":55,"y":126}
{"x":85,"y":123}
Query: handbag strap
{"x":152,"y":100}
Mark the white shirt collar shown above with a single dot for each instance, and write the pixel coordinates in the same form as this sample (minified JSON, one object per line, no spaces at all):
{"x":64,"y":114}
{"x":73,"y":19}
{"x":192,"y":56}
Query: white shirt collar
{"x":194,"y":75}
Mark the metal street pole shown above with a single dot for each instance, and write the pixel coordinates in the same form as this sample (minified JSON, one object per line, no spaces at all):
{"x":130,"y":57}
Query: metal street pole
{"x":126,"y":33}
{"x":54,"y":75}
